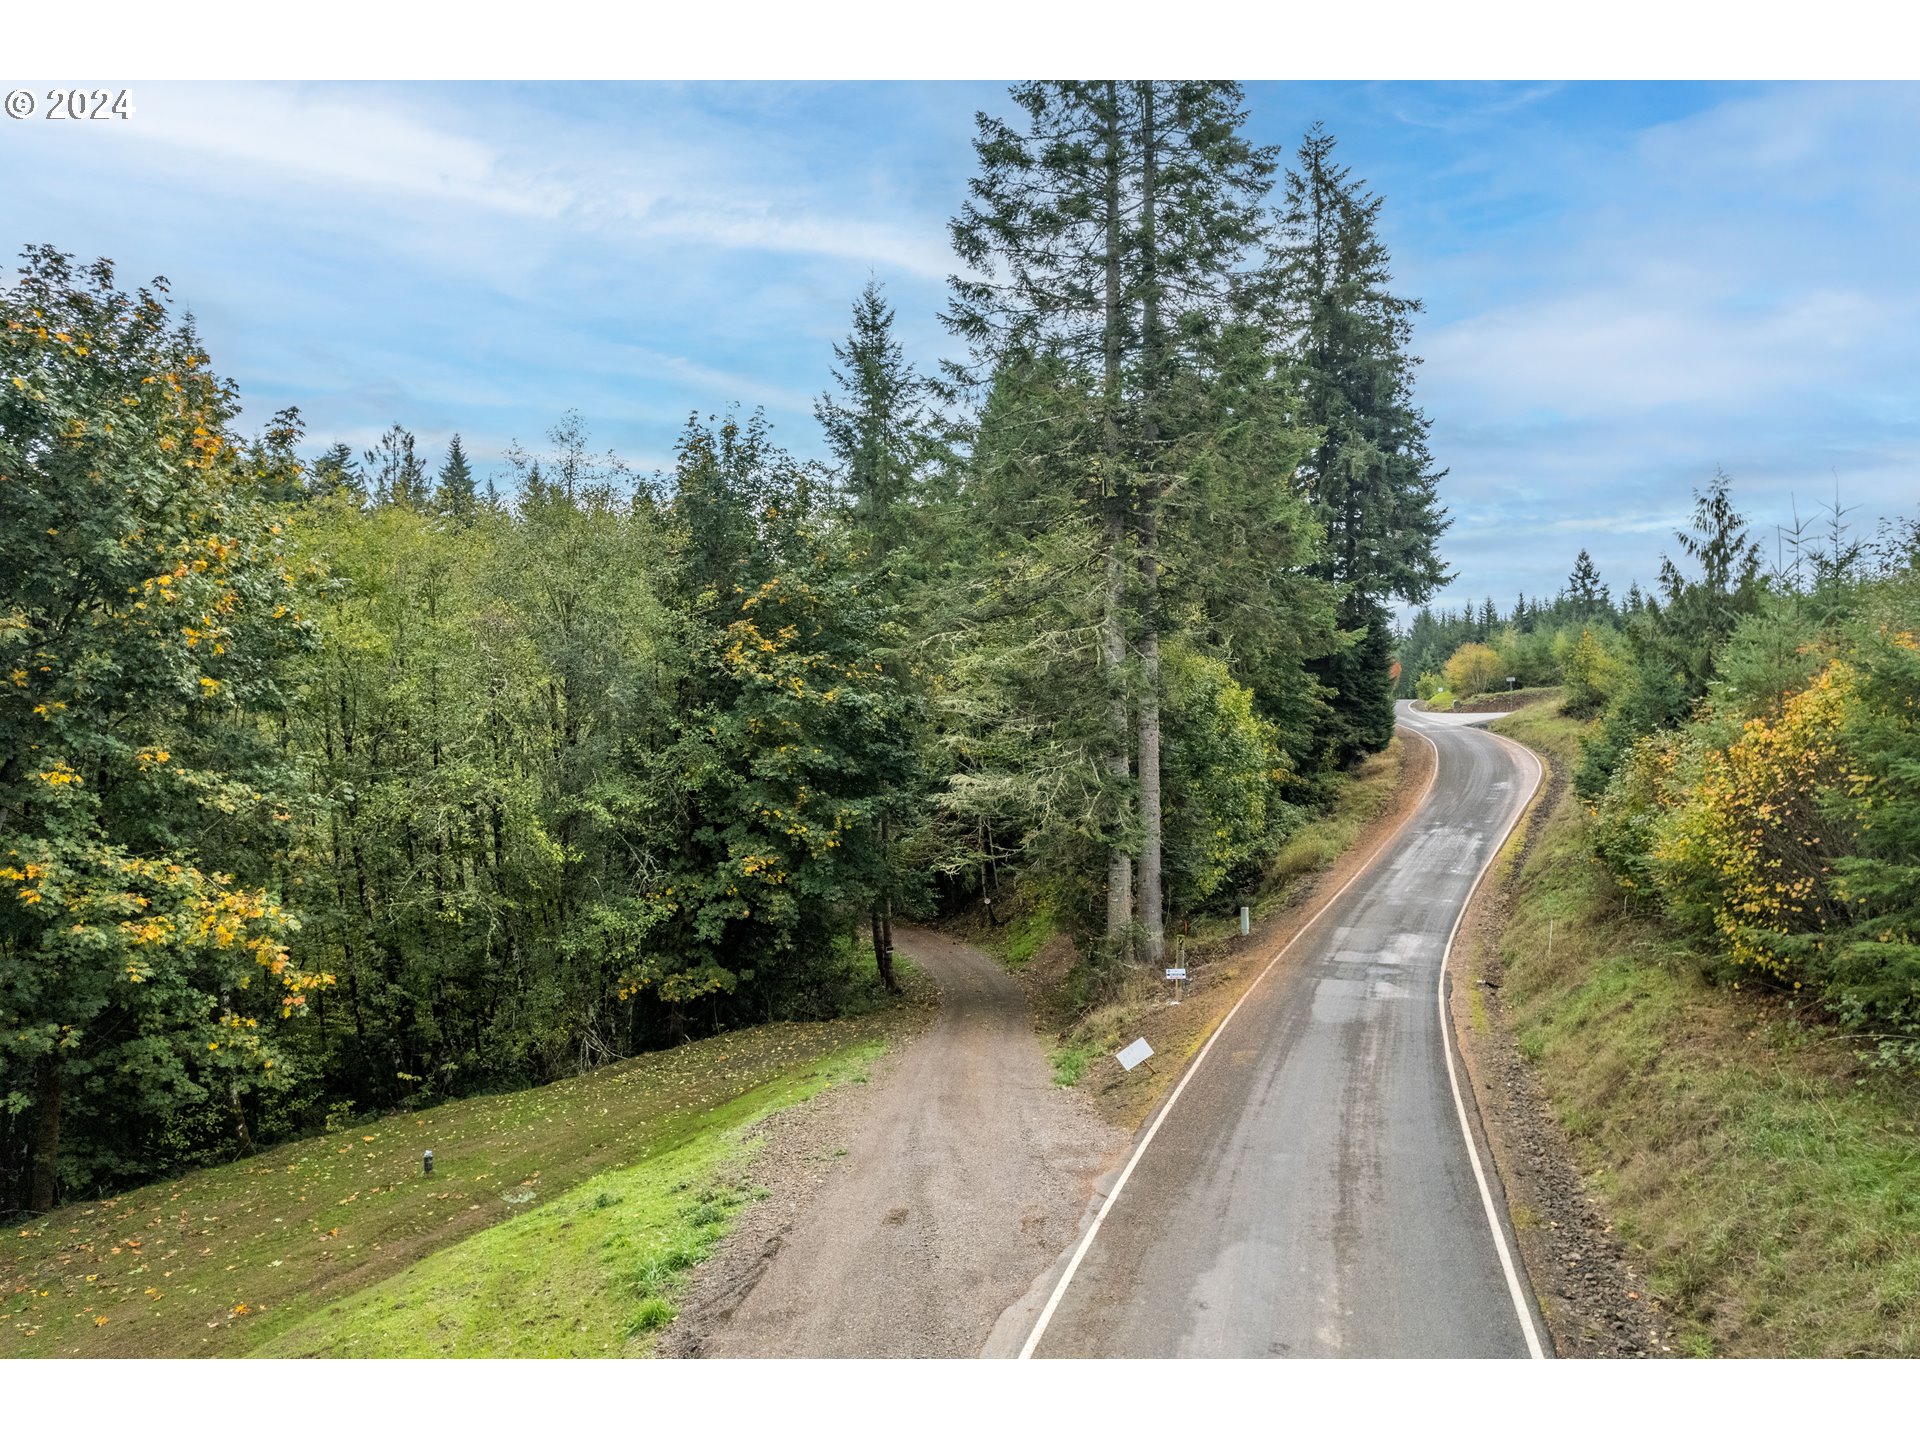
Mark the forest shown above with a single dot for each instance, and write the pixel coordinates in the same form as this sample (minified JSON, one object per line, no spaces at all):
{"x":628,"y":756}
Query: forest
{"x":336,"y":782}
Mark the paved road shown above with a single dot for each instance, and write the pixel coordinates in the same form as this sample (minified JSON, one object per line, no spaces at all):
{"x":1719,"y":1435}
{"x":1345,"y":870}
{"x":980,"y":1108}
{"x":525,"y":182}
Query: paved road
{"x":969,"y":1176}
{"x":1310,"y":1191}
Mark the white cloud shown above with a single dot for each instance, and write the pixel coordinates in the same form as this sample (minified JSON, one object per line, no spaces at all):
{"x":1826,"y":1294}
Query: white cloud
{"x":654,"y":181}
{"x":1657,"y":346}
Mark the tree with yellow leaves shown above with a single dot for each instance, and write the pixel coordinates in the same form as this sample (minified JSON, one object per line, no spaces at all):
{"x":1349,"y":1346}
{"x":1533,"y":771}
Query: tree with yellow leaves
{"x":145,"y":610}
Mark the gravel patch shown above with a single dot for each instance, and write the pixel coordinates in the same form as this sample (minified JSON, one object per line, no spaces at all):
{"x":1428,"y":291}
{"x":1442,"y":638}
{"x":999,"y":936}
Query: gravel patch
{"x":905,"y":1215}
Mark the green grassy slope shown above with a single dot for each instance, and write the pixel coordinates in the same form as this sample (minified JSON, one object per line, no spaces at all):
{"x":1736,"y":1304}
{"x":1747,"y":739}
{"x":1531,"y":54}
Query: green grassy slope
{"x":227,"y":1260}
{"x":595,"y":1272}
{"x":1771,"y":1185}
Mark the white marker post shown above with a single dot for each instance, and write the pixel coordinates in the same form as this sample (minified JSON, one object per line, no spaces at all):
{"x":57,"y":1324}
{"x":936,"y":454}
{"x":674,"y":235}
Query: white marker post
{"x":1246,"y":919}
{"x":1176,"y":973}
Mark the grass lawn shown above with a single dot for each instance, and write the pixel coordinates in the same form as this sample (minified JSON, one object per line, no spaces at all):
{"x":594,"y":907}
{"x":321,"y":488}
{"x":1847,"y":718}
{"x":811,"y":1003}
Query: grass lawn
{"x":596,"y":1271}
{"x":304,"y":1242}
{"x":1770,"y":1182}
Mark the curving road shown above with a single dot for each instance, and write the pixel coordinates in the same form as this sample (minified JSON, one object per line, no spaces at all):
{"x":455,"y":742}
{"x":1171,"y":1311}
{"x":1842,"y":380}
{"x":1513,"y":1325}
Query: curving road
{"x":1309,"y":1188}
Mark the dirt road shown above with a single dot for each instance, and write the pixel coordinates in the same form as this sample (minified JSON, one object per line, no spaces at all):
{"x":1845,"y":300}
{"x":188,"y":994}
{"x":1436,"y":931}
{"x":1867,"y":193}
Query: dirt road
{"x":967,"y":1173}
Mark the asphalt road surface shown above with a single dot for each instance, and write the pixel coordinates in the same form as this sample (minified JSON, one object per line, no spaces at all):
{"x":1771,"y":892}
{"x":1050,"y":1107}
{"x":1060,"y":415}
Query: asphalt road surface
{"x":1310,"y":1189}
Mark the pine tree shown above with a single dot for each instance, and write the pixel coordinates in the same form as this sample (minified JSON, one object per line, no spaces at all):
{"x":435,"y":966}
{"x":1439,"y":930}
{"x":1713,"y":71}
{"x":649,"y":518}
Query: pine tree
{"x":876,"y":429}
{"x":1371,"y":476}
{"x":1109,"y":232}
{"x":336,"y":473}
{"x":1586,"y":595}
{"x":453,"y":496}
{"x":399,"y":476}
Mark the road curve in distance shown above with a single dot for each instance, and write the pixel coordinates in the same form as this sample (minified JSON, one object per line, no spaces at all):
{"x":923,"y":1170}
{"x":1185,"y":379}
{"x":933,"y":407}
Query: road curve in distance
{"x":1312,"y":1189}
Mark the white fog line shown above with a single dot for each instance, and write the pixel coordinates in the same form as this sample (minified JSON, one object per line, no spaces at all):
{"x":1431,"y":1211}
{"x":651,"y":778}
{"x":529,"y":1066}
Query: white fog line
{"x":1086,"y":1241}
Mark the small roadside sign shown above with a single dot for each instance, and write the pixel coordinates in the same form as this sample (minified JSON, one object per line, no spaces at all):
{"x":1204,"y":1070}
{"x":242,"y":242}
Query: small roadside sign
{"x":1134,"y":1054}
{"x":1176,"y":972}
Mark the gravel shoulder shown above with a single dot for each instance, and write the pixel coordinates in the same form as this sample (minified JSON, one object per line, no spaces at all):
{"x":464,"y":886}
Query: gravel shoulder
{"x":905,"y":1215}
{"x":1594,"y":1302}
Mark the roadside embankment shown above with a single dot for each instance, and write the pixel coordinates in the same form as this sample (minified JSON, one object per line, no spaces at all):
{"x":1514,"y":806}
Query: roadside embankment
{"x":557,"y":1220}
{"x":1691,"y":1169}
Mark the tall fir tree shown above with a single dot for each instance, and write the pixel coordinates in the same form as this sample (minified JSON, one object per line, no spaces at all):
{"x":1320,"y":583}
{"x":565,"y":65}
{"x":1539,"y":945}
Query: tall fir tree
{"x":1586,"y":594}
{"x":453,"y":494}
{"x":337,"y":474}
{"x":1371,"y":476}
{"x":877,"y":429}
{"x":1110,"y":230}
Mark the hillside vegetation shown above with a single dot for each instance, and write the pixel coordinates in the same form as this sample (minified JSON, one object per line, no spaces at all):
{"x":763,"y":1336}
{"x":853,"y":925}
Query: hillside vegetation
{"x":1768,"y":1178}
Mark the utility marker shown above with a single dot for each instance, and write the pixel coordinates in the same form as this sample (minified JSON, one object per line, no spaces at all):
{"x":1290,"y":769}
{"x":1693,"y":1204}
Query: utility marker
{"x":1176,"y":973}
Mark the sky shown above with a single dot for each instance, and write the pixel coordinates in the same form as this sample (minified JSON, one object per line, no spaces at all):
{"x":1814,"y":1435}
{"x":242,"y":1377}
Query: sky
{"x":1626,"y":286}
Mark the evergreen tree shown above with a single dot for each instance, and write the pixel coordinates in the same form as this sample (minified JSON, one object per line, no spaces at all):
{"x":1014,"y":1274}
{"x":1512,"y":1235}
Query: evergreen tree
{"x":1677,"y":638}
{"x":1586,"y":595}
{"x":453,"y":495}
{"x":876,"y":429}
{"x":399,"y":477}
{"x":1371,"y":476}
{"x":1108,"y":231}
{"x":337,"y":474}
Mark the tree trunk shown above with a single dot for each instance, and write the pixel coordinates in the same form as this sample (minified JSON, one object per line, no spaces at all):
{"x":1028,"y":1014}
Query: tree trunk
{"x":49,"y":1091}
{"x":238,"y":1111}
{"x":1119,"y":768}
{"x":883,"y":947}
{"x":1114,"y":635}
{"x":1151,"y":901}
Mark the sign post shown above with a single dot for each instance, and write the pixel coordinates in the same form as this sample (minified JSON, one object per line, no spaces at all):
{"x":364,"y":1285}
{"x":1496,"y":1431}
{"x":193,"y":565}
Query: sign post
{"x":1176,"y":973}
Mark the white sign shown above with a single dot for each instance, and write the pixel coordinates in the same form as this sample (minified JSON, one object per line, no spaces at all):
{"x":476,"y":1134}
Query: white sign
{"x":1246,"y":920}
{"x":1134,"y":1053}
{"x":1176,"y":972}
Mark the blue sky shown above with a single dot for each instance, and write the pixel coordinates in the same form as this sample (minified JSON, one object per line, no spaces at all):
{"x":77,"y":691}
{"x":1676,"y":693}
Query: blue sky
{"x":1626,"y":285}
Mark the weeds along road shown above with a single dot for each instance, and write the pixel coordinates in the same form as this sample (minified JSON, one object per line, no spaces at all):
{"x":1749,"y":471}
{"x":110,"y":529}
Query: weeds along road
{"x":1310,"y":1188}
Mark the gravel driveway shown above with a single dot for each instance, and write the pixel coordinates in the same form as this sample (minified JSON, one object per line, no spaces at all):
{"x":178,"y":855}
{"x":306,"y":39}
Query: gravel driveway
{"x":966,"y":1172}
